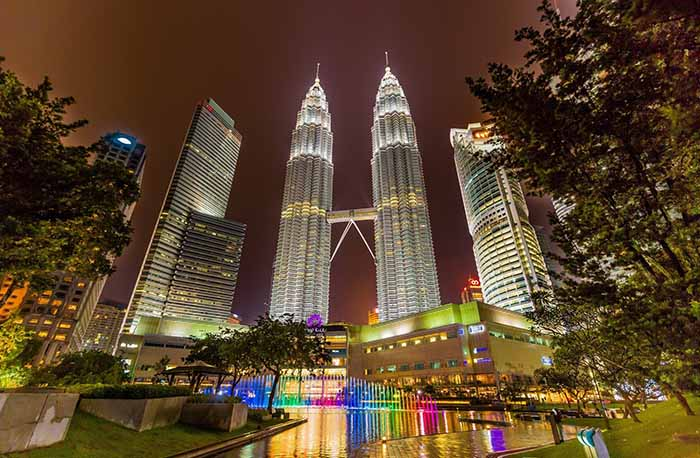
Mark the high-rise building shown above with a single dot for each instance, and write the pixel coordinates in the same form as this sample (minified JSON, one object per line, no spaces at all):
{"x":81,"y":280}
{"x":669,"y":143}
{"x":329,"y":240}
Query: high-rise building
{"x":508,"y":256}
{"x":190,"y":270}
{"x":301,"y":270}
{"x":103,"y":330}
{"x":407,"y":280}
{"x":562,"y":207}
{"x":124,"y":149}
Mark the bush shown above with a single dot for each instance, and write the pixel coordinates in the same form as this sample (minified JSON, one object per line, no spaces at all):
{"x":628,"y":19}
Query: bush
{"x":129,"y":391}
{"x":89,"y":366}
{"x":211,"y":399}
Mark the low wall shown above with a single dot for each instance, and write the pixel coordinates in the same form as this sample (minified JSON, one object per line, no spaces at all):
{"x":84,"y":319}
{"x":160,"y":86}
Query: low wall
{"x":29,"y":420}
{"x":137,"y":414}
{"x":221,"y":416}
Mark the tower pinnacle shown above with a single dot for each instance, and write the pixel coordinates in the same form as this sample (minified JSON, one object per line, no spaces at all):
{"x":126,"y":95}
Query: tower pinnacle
{"x":386,"y":59}
{"x":318,"y":65}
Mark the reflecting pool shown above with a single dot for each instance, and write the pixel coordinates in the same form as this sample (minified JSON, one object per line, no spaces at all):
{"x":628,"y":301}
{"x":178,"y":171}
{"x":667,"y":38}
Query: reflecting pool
{"x":334,"y":432}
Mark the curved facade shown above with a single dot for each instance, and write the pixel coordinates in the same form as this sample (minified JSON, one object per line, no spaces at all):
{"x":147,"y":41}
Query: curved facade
{"x":302,"y":269}
{"x":508,"y":256}
{"x":407,"y":279}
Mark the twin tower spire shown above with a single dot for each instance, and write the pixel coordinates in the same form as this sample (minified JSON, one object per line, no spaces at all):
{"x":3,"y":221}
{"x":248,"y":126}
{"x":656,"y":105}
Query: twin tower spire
{"x":406,"y":273}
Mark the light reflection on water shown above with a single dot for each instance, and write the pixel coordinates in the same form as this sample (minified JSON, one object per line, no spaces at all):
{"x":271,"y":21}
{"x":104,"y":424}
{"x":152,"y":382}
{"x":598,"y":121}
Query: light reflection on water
{"x":332,"y":433}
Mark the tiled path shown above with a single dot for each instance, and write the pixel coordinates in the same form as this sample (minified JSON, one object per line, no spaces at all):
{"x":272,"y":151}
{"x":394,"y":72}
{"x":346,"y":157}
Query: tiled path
{"x":471,"y":444}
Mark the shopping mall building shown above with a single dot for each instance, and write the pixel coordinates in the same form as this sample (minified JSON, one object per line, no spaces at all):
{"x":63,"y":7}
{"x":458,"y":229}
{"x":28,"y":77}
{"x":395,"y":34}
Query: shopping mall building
{"x":464,"y":349}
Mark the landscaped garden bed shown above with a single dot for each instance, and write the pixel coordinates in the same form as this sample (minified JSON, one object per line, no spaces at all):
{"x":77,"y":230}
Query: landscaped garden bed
{"x":137,"y":407}
{"x":665,"y":431}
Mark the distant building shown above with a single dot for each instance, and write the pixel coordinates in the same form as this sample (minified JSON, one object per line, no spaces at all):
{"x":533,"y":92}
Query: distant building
{"x":472,"y":291}
{"x":373,"y":316}
{"x":508,"y":256}
{"x":104,"y":327}
{"x":124,"y":149}
{"x":11,"y":297}
{"x":562,"y":208}
{"x":189,"y":274}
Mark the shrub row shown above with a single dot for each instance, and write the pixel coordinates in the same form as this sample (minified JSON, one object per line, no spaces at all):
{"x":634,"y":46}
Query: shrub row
{"x":210,"y":399}
{"x":129,"y":391}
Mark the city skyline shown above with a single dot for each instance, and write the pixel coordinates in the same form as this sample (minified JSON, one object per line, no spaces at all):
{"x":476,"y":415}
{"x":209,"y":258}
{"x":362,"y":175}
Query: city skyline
{"x":260,"y":88}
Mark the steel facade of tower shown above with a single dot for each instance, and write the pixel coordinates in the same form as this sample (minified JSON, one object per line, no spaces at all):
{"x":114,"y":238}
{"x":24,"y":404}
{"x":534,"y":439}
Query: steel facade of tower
{"x":301,"y":270}
{"x":191,"y":266}
{"x":407,"y":280}
{"x":508,"y":255}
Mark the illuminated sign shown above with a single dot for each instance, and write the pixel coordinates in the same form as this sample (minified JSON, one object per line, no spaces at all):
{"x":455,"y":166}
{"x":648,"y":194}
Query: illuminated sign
{"x":482,"y":360}
{"x":124,"y":141}
{"x":474,"y":282}
{"x":314,"y":321}
{"x":547,"y":360}
{"x":476,"y":328}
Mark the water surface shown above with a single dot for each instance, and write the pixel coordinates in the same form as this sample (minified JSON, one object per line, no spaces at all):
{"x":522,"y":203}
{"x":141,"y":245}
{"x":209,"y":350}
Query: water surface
{"x":331,"y":433}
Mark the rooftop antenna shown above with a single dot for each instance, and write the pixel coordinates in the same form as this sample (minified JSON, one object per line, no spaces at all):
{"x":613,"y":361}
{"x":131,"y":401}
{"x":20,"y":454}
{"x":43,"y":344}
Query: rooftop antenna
{"x":386,"y":58}
{"x":318,"y":65}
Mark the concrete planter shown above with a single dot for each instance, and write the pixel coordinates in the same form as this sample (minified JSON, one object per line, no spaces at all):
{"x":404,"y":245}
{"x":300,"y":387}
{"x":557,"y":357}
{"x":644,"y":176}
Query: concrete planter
{"x":137,"y":414}
{"x":224,"y":417}
{"x":29,"y":420}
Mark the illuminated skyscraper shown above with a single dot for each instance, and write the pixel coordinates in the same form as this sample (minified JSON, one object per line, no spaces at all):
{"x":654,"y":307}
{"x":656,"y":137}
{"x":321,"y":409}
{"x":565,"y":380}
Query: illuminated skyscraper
{"x":407,"y":279}
{"x":508,"y":256}
{"x":302,"y":267}
{"x":188,"y":277}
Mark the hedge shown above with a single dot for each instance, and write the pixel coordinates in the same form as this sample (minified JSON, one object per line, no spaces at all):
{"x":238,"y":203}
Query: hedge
{"x":129,"y":391}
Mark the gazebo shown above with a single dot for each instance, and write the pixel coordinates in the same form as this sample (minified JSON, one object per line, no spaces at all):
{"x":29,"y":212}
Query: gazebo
{"x":195,"y":373}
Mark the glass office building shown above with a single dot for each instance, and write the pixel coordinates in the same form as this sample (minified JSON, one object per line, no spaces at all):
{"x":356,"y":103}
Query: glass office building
{"x":190,"y":270}
{"x":508,"y":255}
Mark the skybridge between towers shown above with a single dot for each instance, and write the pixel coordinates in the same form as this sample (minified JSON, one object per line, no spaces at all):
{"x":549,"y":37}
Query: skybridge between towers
{"x":351,"y":217}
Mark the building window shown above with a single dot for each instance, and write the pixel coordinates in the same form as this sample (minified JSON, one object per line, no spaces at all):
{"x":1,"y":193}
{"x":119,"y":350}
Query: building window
{"x":48,"y":321}
{"x":452,"y":363}
{"x":391,"y":368}
{"x":64,"y":325}
{"x":368,"y":371}
{"x":404,"y":367}
{"x":435,"y":364}
{"x":60,"y":337}
{"x":42,"y":334}
{"x":419,"y":366}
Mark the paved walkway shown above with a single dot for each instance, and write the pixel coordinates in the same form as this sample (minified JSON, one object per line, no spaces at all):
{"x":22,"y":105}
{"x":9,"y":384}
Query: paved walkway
{"x":468,"y":444}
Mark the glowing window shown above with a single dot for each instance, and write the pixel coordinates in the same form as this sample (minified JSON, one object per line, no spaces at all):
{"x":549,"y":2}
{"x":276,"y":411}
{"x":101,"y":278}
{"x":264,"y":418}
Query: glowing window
{"x":42,"y":300}
{"x":433,"y":339}
{"x":73,"y":307}
{"x":60,"y":337}
{"x":48,"y":321}
{"x":403,"y":344}
{"x":34,"y":321}
{"x":42,"y":333}
{"x":64,"y":325}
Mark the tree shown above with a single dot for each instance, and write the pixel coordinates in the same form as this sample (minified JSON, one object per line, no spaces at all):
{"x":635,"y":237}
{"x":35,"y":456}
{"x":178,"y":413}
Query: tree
{"x":227,"y":350}
{"x":283,"y":344}
{"x":159,"y":367}
{"x":17,"y":348}
{"x":60,"y":213}
{"x":87,"y":366}
{"x":605,"y":114}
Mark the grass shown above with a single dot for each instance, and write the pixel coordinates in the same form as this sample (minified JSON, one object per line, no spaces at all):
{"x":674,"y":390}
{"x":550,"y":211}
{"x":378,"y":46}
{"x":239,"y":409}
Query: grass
{"x":626,"y":439}
{"x":94,"y":437}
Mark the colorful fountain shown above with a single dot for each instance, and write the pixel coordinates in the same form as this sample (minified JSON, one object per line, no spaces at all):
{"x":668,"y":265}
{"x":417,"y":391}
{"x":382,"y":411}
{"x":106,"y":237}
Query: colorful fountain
{"x":330,"y":390}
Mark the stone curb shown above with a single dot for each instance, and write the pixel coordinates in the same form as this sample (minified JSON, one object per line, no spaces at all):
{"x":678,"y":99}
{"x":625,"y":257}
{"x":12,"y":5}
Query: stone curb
{"x":253,"y":436}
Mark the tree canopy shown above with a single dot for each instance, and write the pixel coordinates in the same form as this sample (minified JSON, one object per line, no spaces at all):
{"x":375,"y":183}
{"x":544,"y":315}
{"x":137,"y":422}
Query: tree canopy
{"x":59,"y":212}
{"x":605,"y":114}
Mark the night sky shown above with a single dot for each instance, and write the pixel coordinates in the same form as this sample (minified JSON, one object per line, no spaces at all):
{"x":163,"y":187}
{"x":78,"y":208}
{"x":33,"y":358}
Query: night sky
{"x":140,"y":67}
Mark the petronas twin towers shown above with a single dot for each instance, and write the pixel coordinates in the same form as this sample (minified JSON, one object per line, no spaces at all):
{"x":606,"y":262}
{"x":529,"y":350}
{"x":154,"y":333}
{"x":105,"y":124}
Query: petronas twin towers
{"x":406,"y":274}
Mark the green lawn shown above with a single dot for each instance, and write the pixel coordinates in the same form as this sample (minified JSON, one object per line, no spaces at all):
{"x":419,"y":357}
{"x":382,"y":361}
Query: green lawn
{"x":93,"y":437}
{"x":626,"y":439}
